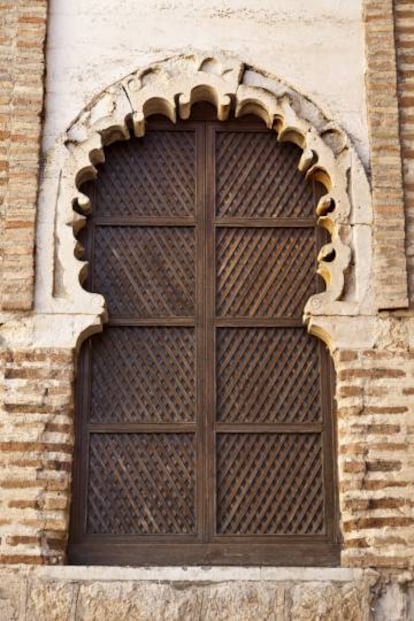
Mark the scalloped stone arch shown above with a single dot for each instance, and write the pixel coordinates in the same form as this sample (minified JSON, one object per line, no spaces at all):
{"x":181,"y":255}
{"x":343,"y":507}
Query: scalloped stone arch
{"x":170,"y":88}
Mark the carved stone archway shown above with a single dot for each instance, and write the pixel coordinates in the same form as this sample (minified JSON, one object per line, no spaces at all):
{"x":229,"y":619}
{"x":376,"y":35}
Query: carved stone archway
{"x":65,"y":314}
{"x":170,"y":88}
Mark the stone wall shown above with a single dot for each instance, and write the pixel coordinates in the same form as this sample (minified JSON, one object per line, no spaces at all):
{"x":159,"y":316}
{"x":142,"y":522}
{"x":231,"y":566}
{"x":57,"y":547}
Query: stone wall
{"x":215,"y":594}
{"x":210,"y":594}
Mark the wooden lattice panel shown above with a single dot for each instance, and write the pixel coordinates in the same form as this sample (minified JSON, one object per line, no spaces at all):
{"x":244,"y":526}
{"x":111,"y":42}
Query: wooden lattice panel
{"x":265,"y":272}
{"x":154,"y":176}
{"x":145,"y":271}
{"x":204,"y":430}
{"x":269,"y":484}
{"x":254,"y":166}
{"x":268,"y":375}
{"x":141,"y":483}
{"x":143,"y":374}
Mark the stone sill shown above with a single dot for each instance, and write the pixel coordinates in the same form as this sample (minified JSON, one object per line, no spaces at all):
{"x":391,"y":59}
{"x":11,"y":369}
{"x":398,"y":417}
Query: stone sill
{"x":96,"y":593}
{"x":200,"y":574}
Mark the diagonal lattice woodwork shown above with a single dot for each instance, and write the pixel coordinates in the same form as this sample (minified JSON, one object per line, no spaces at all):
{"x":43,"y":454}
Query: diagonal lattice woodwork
{"x":152,"y":176}
{"x":143,"y":375}
{"x":205,"y":431}
{"x":270,"y":484}
{"x":141,"y":484}
{"x":264,"y":272}
{"x":257,"y":176}
{"x":146,"y":271}
{"x":267,"y":375}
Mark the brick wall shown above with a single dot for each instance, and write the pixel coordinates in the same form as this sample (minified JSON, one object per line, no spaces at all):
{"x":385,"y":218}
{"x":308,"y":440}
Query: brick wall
{"x":22,"y":39}
{"x":35,"y":455}
{"x":404,"y":25}
{"x":375,"y":391}
{"x":375,"y":422}
{"x":387,"y":189}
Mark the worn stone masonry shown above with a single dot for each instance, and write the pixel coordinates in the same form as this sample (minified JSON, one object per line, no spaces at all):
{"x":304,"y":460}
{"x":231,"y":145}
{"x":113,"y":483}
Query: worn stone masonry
{"x":185,"y":595}
{"x":364,"y":317}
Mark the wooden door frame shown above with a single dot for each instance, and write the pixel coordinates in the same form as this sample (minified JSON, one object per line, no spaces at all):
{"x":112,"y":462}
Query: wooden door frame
{"x":222,"y":550}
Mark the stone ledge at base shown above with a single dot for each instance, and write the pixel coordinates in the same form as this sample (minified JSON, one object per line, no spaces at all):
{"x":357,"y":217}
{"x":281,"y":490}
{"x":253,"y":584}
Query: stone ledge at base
{"x":29,"y":593}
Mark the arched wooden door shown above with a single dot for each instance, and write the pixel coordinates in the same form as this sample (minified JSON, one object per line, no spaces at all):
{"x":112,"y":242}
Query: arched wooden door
{"x":204,"y":427}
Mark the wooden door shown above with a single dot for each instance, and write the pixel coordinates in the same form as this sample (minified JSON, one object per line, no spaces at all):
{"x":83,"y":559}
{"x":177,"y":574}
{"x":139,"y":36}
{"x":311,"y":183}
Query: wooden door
{"x":204,"y":429}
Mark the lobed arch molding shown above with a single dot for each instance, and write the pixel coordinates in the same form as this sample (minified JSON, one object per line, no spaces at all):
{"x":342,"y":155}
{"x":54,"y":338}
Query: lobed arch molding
{"x":170,"y":88}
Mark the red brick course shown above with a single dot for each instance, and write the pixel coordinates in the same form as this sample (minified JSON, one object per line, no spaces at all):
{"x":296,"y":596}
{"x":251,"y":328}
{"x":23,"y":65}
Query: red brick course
{"x":22,"y":65}
{"x":36,"y":455}
{"x":387,"y":183}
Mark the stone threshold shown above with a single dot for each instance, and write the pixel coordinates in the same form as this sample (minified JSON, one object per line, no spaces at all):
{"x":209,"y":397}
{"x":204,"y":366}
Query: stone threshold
{"x":195,"y":574}
{"x":96,"y":593}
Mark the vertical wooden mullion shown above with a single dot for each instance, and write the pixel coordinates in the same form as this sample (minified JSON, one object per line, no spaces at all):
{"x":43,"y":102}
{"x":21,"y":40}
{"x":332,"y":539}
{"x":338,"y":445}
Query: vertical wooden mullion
{"x":210,"y":309}
{"x":327,"y":408}
{"x":332,"y":449}
{"x":81,"y":453}
{"x":326,"y":441}
{"x":200,"y":328}
{"x":85,"y":438}
{"x":83,"y":388}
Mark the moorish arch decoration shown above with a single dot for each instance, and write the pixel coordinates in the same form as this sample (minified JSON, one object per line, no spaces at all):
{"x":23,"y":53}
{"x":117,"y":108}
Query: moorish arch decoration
{"x":170,"y":88}
{"x":66,"y":313}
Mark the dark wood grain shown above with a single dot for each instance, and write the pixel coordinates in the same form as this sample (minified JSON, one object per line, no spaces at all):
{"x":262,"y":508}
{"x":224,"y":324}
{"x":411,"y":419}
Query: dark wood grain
{"x":208,"y":436}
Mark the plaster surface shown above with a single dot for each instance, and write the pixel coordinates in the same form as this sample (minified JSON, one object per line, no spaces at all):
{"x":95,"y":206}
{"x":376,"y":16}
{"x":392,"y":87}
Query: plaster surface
{"x":317,"y":47}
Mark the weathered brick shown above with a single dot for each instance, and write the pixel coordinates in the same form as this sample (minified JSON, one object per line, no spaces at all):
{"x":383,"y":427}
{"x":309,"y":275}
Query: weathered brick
{"x":371,"y":374}
{"x":377,"y":523}
{"x":21,"y":97}
{"x":391,"y":283}
{"x":23,"y":540}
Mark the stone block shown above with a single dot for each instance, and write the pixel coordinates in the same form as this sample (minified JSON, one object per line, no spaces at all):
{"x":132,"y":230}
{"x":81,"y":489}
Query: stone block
{"x":12,"y":596}
{"x":51,"y":601}
{"x":322,"y":602}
